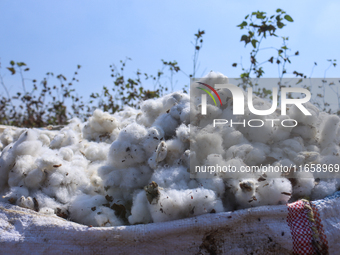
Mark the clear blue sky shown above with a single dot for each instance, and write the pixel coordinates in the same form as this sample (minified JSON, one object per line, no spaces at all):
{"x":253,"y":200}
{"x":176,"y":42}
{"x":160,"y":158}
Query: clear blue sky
{"x":57,"y":35}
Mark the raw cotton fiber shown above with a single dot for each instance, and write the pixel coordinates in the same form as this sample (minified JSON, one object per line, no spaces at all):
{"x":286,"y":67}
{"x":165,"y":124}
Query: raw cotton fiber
{"x":133,"y":166}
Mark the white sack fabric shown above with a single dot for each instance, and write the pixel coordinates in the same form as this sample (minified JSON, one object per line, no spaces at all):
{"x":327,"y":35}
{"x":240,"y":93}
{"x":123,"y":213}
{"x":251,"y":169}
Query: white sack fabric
{"x":282,"y":229}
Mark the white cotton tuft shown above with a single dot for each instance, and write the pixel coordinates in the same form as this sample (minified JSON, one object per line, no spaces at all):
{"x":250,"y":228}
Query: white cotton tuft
{"x":100,"y":127}
{"x":26,"y":202}
{"x":177,"y":204}
{"x":140,"y":211}
{"x":329,"y":130}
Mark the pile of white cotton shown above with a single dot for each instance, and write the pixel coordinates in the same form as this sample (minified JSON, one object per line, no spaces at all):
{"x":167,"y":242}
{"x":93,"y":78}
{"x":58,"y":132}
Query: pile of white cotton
{"x":133,"y":166}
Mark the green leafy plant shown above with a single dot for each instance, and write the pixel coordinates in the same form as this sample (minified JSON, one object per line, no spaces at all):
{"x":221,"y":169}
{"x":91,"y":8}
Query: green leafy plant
{"x":258,"y":27}
{"x":44,"y":104}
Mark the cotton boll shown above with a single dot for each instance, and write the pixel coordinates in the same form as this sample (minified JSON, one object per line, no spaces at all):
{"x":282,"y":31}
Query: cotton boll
{"x":213,"y":78}
{"x":66,"y":137}
{"x":22,"y":166}
{"x":151,"y":109}
{"x":44,"y":139}
{"x":297,"y":114}
{"x":134,"y":177}
{"x":96,"y":181}
{"x":245,"y":193}
{"x":83,"y":209}
{"x":329,"y":130}
{"x":172,"y":177}
{"x":66,"y":181}
{"x":126,"y":150}
{"x":278,"y":191}
{"x":66,"y":153}
{"x":127,"y":117}
{"x":247,"y":153}
{"x":15,"y":193}
{"x":79,"y":162}
{"x":185,"y":159}
{"x":48,"y":202}
{"x":310,"y":156}
{"x":29,"y":148}
{"x":140,"y":211}
{"x":231,"y":137}
{"x":171,"y":100}
{"x":185,"y":114}
{"x":303,"y":184}
{"x":57,"y":140}
{"x":151,"y":141}
{"x":257,"y":155}
{"x":154,"y":108}
{"x":167,"y":123}
{"x":329,"y":160}
{"x":268,"y":121}
{"x":332,"y":162}
{"x":34,"y":178}
{"x":48,"y":161}
{"x":27,"y":143}
{"x":213,"y":112}
{"x":49,"y":133}
{"x":175,"y":111}
{"x":75,"y":124}
{"x":100,"y":127}
{"x":10,"y":135}
{"x":183,"y":133}
{"x":177,"y":204}
{"x":106,"y":217}
{"x":295,"y":144}
{"x":237,"y":164}
{"x":299,"y":159}
{"x":104,"y":170}
{"x":133,"y":133}
{"x":227,"y":112}
{"x":124,"y":154}
{"x":313,"y":148}
{"x":280,"y":132}
{"x":285,"y":163}
{"x":6,"y":137}
{"x":262,"y":134}
{"x":158,"y":156}
{"x":26,"y":202}
{"x":214,"y":167}
{"x":215,"y":184}
{"x":97,"y":151}
{"x":306,"y":132}
{"x":205,"y":143}
{"x":174,"y":150}
{"x":331,"y":149}
{"x":226,"y":97}
{"x":112,"y":178}
{"x":214,"y":159}
{"x":264,"y":191}
{"x":120,"y":183}
{"x":324,"y":188}
{"x":61,"y":193}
